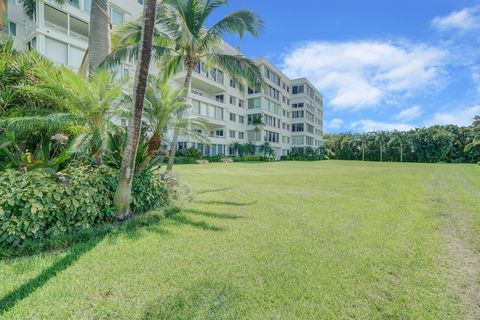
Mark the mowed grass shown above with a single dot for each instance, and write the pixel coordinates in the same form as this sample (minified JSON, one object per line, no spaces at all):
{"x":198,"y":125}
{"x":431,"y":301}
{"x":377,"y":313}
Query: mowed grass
{"x":288,"y":240}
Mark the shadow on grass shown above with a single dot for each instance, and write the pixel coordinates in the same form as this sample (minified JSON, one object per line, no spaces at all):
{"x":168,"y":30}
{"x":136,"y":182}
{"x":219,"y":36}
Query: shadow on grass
{"x":226,"y":203}
{"x":213,"y":190}
{"x":213,"y":214}
{"x":80,"y":242}
{"x":203,"y":300}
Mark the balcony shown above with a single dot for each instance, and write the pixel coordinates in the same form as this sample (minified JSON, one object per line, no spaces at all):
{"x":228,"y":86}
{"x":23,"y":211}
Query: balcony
{"x":63,"y":23}
{"x":217,"y":98}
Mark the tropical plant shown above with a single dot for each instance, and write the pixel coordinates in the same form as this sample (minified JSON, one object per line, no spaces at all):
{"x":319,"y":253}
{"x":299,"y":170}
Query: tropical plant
{"x":123,"y":194}
{"x":48,"y":155}
{"x":90,"y":106}
{"x":266,"y":149}
{"x":398,"y":138}
{"x":161,"y":103}
{"x":193,"y":153}
{"x":182,"y":42}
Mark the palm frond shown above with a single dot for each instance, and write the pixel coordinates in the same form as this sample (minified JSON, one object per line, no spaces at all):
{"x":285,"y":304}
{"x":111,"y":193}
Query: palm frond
{"x":238,"y":67}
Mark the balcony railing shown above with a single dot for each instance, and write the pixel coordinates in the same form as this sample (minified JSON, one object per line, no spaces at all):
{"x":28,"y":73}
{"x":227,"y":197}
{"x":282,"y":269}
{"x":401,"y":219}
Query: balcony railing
{"x":55,"y":27}
{"x":208,"y":96}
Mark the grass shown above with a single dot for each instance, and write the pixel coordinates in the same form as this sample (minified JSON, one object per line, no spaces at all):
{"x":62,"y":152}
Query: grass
{"x":289,"y":240}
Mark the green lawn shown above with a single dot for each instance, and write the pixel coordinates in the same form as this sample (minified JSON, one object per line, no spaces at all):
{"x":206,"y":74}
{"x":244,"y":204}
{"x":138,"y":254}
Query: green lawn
{"x":289,"y":240}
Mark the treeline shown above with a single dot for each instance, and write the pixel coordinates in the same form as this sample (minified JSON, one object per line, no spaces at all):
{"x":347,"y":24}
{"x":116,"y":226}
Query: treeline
{"x":450,"y":143}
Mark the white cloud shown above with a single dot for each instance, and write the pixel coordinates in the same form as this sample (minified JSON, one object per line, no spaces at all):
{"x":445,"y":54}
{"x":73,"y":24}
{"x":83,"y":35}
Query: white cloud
{"x":372,"y":125}
{"x":467,"y":19}
{"x":362,"y":74}
{"x":335,"y":123}
{"x":410,"y":113}
{"x":460,"y":117}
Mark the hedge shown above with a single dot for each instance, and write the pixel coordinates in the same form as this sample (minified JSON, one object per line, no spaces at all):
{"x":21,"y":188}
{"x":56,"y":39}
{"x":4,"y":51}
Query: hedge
{"x":36,"y":205}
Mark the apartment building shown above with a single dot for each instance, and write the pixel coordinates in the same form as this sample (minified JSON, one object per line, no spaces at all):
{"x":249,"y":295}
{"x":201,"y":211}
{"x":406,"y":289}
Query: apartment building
{"x":60,"y":32}
{"x":285,"y":113}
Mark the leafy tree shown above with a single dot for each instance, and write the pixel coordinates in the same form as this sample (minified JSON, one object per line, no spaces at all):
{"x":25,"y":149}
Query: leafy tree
{"x":399,"y":138}
{"x":182,"y":41}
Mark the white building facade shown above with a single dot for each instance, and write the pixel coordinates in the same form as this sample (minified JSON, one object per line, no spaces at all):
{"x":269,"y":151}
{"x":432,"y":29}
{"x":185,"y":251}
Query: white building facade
{"x":290,"y":111}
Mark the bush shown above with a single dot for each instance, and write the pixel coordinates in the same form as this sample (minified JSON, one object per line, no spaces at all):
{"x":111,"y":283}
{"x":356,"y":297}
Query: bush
{"x":36,"y":205}
{"x":252,"y":158}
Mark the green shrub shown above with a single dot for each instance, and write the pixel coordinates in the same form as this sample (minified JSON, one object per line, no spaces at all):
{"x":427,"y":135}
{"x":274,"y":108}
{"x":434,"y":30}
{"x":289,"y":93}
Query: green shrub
{"x":36,"y":205}
{"x":249,"y":158}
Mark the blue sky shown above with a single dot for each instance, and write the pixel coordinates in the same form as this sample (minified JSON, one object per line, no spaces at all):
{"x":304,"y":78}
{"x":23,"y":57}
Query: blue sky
{"x":381,"y":65}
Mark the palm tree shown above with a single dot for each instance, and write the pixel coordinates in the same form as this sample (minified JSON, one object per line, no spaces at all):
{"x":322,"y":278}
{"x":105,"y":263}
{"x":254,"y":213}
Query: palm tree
{"x":99,"y":41}
{"x":362,"y":138}
{"x":182,"y":41}
{"x":123,"y":194}
{"x":161,"y":102}
{"x":380,"y":138}
{"x":29,"y":7}
{"x":266,"y":149}
{"x":400,"y":138}
{"x":90,"y":105}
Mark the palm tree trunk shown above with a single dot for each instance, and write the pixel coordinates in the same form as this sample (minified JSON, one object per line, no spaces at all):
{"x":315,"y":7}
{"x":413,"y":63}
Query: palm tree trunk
{"x":176,"y":132}
{"x":99,"y":38}
{"x":123,"y":194}
{"x":153,"y":146}
{"x":3,"y":17}
{"x":363,"y":153}
{"x":401,"y":152}
{"x":381,"y":155}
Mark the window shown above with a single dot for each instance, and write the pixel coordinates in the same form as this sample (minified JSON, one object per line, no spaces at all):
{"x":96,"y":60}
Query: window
{"x":274,"y":93}
{"x":219,"y":133}
{"x":297,"y":114}
{"x":232,"y":134}
{"x":116,"y":16}
{"x":241,"y":103}
{"x":297,"y":89}
{"x":309,"y":141}
{"x":219,"y":98}
{"x":218,"y":113}
{"x":271,"y":136}
{"x":251,"y":117}
{"x":87,"y":5}
{"x":12,"y":28}
{"x":196,"y":107}
{"x":297,"y":127}
{"x":56,"y":50}
{"x":298,"y":140}
{"x":233,"y":117}
{"x":233,"y":83}
{"x":241,"y":119}
{"x":75,"y":57}
{"x":258,"y":89}
{"x":220,"y":76}
{"x":254,"y":103}
{"x":75,"y":3}
{"x":233,"y":100}
{"x":297,"y":105}
{"x":140,"y":1}
{"x":241,"y":135}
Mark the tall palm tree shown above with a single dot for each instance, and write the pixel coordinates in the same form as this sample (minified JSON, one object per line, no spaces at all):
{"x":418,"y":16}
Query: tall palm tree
{"x":381,"y":139}
{"x":399,"y":138}
{"x":99,"y":41}
{"x":29,"y":7}
{"x":123,"y":194}
{"x":161,"y":102}
{"x":182,"y":41}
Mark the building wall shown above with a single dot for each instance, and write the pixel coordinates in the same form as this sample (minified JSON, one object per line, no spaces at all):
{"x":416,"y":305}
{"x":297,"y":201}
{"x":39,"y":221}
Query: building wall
{"x":221,"y":107}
